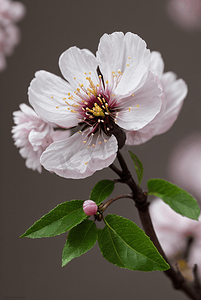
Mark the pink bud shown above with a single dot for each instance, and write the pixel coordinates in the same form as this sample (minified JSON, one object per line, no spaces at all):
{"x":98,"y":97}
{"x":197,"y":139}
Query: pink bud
{"x":90,"y":207}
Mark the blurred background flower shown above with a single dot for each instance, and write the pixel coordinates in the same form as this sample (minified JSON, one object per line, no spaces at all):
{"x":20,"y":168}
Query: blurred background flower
{"x":185,"y":13}
{"x":10,"y":13}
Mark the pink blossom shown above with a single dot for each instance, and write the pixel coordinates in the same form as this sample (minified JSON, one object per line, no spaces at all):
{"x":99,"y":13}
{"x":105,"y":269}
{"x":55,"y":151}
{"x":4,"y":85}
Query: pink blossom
{"x":184,"y":166}
{"x":32,"y":135}
{"x":124,"y":97}
{"x":174,"y":92}
{"x":185,"y":13}
{"x":10,"y":13}
{"x":174,"y":231}
{"x":90,"y":207}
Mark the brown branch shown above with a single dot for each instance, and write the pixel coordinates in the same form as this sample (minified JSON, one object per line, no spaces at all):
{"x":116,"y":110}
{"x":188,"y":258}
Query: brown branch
{"x":140,"y":198}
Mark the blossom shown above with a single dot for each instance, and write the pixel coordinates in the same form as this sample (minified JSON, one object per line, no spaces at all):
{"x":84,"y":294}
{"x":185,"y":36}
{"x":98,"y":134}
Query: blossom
{"x":184,"y":165}
{"x":185,"y":13}
{"x":10,"y":13}
{"x":90,"y":207}
{"x":32,"y":135}
{"x":107,"y":95}
{"x":174,"y":92}
{"x":175,"y":232}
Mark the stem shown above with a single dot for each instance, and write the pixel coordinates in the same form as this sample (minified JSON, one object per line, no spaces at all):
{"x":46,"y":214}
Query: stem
{"x":140,"y":198}
{"x":103,"y":208}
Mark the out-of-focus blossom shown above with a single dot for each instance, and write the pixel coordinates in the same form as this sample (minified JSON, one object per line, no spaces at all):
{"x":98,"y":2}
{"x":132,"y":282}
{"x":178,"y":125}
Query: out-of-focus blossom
{"x":180,"y":237}
{"x":10,"y":13}
{"x":118,"y":91}
{"x":174,"y":92}
{"x":185,"y":13}
{"x":32,"y":135}
{"x":184,"y":167}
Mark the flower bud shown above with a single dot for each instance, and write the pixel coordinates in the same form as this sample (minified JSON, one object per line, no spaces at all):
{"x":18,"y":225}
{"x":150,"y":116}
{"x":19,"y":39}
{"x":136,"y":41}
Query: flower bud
{"x":90,"y":207}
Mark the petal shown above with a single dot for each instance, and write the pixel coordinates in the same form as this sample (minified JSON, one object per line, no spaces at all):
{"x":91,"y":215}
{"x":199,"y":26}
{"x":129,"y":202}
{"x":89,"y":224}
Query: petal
{"x":47,"y":94}
{"x":157,"y":64}
{"x":77,"y":64}
{"x":138,"y":110}
{"x":60,"y":135}
{"x":80,"y":156}
{"x":127,"y":53}
{"x":175,"y":92}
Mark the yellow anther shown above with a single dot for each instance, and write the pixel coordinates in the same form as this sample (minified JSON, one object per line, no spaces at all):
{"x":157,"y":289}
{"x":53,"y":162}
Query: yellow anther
{"x":68,"y":108}
{"x":78,"y":89}
{"x":89,"y":73}
{"x":88,"y":146}
{"x":113,"y":95}
{"x":74,"y":111}
{"x":84,"y":142}
{"x":100,"y":142}
{"x":81,"y":84}
{"x":51,"y":96}
{"x":99,"y":76}
{"x":64,"y":98}
{"x":129,"y":57}
{"x":57,"y":106}
{"x":127,"y":65}
{"x":129,"y":108}
{"x":133,"y":95}
{"x":93,"y":145}
{"x":100,"y":100}
{"x":105,"y":141}
{"x":86,"y":163}
{"x":68,"y":94}
{"x":106,"y":82}
{"x":74,"y":77}
{"x":79,"y":131}
{"x":96,"y":111}
{"x":137,"y":105}
{"x":98,"y":85}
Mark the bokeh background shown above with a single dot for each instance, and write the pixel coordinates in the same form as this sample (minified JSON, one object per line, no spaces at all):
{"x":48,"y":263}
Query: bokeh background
{"x":31,"y":269}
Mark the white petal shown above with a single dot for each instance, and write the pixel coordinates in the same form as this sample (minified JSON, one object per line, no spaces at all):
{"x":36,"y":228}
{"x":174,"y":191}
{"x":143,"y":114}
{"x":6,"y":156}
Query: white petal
{"x":157,"y":64}
{"x":175,"y":91}
{"x":138,"y":110}
{"x":47,"y":94}
{"x":80,"y":156}
{"x":77,"y":64}
{"x":127,"y":53}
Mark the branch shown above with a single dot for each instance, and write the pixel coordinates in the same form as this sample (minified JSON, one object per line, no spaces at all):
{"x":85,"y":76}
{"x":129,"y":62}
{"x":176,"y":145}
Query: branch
{"x":140,"y":198}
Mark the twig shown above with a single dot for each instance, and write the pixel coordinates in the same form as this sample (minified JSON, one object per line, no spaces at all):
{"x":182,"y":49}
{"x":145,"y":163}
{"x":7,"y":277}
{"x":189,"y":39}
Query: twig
{"x":140,"y":198}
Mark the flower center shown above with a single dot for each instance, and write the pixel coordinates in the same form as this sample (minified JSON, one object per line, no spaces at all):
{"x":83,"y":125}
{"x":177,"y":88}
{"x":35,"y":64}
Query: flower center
{"x":96,"y":111}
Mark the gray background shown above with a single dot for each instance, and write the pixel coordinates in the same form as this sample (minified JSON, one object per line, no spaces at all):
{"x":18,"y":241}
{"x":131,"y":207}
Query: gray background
{"x":32,"y":268}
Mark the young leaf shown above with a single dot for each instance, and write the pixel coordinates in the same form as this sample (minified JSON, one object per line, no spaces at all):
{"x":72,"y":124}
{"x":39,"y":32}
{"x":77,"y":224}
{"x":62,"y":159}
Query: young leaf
{"x":138,"y":166}
{"x":124,"y":244}
{"x":178,"y":199}
{"x":101,"y":191}
{"x":80,"y":239}
{"x":59,"y":220}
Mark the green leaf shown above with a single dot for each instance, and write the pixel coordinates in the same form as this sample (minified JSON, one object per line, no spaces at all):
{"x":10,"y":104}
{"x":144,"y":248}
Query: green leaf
{"x":178,"y":199}
{"x":59,"y":220}
{"x":138,"y":166}
{"x":124,"y":244}
{"x":101,"y":191}
{"x":80,"y":239}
